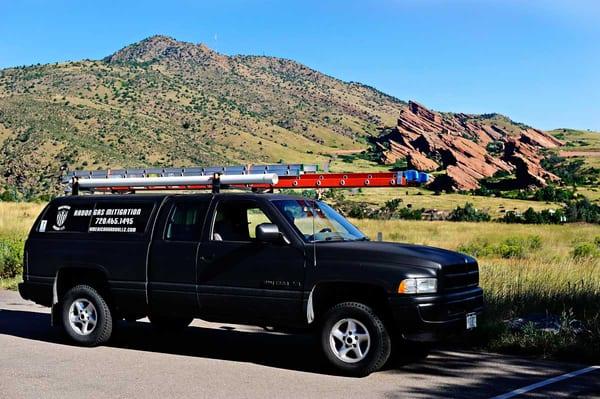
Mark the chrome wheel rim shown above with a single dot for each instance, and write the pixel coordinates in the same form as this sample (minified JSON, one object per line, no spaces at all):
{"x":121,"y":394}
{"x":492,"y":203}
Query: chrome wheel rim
{"x":349,"y":340}
{"x":83,"y":316}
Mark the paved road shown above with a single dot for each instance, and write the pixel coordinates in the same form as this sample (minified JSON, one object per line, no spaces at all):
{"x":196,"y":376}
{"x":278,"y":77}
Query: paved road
{"x":214,"y":361}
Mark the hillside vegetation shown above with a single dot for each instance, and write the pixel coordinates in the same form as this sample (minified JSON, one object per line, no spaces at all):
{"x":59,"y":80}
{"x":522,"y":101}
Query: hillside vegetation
{"x":162,"y":102}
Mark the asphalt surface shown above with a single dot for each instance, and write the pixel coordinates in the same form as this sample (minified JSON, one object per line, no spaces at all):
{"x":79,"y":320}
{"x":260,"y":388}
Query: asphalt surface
{"x":214,"y":360}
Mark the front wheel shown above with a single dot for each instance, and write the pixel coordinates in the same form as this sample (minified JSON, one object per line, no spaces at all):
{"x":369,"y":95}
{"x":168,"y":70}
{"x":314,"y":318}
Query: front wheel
{"x":354,"y":339}
{"x":86,"y":317}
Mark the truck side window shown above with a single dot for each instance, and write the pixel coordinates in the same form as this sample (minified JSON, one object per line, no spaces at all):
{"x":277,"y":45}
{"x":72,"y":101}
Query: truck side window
{"x":185,"y":222}
{"x":237,"y":221}
{"x":255,"y":217}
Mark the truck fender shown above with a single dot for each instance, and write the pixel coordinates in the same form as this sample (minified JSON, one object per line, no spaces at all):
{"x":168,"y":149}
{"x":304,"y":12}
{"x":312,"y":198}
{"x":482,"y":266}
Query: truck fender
{"x":54,"y":309}
{"x":310,"y":311}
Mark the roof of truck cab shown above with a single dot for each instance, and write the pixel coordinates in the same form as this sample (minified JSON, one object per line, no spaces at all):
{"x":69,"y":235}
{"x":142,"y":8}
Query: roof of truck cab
{"x":159,"y":197}
{"x":267,"y":196}
{"x":111,"y":197}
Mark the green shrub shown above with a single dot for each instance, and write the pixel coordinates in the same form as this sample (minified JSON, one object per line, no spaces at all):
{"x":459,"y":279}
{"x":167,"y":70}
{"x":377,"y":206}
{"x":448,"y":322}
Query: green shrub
{"x":511,"y":247}
{"x":530,"y":216}
{"x":11,"y":257}
{"x":392,"y":209}
{"x":583,"y":210}
{"x":566,"y":343}
{"x":553,"y":194}
{"x":531,"y":242}
{"x":507,"y":251}
{"x":476,"y":249}
{"x":468,"y":213}
{"x":571,"y":171}
{"x":586,"y":250}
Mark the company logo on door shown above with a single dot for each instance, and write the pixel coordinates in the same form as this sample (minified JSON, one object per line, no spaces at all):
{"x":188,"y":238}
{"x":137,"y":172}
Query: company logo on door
{"x":61,"y":217}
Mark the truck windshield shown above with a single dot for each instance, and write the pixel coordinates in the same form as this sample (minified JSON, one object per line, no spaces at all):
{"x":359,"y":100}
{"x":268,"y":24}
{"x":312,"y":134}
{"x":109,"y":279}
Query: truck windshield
{"x":317,"y":221}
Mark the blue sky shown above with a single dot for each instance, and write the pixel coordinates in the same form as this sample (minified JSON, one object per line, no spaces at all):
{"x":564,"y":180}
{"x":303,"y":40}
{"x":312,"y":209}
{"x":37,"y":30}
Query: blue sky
{"x":535,"y":61}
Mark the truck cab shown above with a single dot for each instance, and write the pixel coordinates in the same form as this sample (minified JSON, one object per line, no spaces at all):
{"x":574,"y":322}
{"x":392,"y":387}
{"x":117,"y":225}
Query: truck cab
{"x":262,"y":259}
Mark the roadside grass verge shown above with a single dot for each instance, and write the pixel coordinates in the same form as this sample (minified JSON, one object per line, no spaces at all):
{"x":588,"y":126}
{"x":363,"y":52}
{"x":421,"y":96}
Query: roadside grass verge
{"x":524,"y":270}
{"x":10,"y":283}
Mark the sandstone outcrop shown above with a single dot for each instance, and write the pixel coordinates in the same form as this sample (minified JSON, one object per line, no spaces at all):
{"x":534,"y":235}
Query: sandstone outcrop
{"x":468,"y":147}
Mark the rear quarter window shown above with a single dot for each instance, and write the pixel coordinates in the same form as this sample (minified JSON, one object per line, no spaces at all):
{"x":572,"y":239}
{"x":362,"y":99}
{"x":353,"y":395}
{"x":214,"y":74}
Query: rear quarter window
{"x":66,"y":218}
{"x":97,"y":217}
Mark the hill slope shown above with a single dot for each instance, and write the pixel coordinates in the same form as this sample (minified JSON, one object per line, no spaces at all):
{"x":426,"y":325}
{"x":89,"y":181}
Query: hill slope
{"x":161,"y":102}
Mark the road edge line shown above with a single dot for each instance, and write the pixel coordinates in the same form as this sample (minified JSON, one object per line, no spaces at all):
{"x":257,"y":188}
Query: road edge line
{"x":543,"y":383}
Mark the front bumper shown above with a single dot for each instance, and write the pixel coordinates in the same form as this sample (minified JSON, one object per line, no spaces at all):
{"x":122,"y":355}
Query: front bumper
{"x":432,"y":317}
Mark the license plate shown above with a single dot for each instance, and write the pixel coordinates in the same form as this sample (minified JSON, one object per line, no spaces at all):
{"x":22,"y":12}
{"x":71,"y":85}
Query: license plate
{"x":471,"y":321}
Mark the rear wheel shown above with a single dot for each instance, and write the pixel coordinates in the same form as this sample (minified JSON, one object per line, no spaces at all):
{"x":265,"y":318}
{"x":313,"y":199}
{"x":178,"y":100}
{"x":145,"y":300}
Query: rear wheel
{"x":86,"y":317}
{"x":168,"y":323}
{"x":354,"y":339}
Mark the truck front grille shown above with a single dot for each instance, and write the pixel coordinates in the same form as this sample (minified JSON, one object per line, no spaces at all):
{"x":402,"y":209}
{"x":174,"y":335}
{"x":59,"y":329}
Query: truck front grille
{"x":451,"y":310}
{"x":459,"y":277}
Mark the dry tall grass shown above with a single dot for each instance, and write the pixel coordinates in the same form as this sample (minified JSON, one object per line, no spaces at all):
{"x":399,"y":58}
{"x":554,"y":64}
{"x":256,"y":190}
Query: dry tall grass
{"x":546,"y":278}
{"x":535,"y":279}
{"x":557,"y":240}
{"x":16,"y":218}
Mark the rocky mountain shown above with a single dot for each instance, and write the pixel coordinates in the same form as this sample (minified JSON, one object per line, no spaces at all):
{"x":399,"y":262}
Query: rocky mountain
{"x":162,"y":102}
{"x":468,"y":147}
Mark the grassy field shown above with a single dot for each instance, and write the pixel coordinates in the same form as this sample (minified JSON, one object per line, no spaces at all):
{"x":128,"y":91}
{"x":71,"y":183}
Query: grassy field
{"x":422,"y":198}
{"x":16,"y":218}
{"x":578,"y":140}
{"x":525,"y":269}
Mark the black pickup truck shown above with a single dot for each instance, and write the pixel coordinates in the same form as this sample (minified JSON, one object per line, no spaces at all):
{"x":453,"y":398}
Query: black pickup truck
{"x":261,"y":259}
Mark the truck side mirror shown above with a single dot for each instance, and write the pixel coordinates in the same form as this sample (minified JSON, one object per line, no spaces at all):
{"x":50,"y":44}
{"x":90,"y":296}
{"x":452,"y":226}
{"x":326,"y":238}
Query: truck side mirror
{"x":268,"y":232}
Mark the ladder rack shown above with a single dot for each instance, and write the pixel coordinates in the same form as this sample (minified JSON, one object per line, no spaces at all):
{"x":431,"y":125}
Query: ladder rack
{"x":259,"y":177}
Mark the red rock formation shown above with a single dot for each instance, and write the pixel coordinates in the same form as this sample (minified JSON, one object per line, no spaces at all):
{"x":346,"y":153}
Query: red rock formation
{"x":417,"y":160}
{"x":459,"y":143}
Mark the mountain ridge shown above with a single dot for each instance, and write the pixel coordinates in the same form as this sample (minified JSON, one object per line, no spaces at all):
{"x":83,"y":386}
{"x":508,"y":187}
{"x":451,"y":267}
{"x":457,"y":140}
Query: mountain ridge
{"x":162,"y":102}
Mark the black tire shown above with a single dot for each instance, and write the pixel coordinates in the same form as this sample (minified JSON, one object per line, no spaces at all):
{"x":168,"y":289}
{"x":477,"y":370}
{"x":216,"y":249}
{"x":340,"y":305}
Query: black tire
{"x":379,"y":344}
{"x":94,"y":335}
{"x":170,"y":324}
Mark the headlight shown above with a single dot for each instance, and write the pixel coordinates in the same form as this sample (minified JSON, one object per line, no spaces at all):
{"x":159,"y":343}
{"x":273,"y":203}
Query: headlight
{"x":418,"y":286}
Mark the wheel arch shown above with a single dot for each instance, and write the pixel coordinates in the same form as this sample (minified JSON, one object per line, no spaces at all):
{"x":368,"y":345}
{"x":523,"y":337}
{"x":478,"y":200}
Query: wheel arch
{"x":71,"y":275}
{"x":327,"y":294}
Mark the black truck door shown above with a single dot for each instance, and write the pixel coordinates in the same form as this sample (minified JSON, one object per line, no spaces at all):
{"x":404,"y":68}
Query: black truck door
{"x":173,"y":256}
{"x":241,"y":279}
